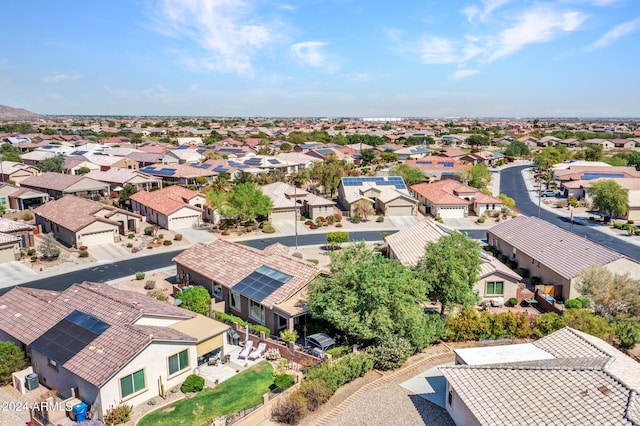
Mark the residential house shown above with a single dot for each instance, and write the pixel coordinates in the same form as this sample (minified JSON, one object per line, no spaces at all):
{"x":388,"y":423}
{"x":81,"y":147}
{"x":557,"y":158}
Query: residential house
{"x":388,"y":195}
{"x":412,"y":152}
{"x":618,"y":143}
{"x":193,"y":141}
{"x":290,"y":202}
{"x":589,"y":172}
{"x":34,"y":157}
{"x":450,"y":198}
{"x":437,"y":168}
{"x":488,"y":158}
{"x":58,"y":184}
{"x":72,"y":164}
{"x":107,"y":162}
{"x":118,"y":178}
{"x":604,"y":143}
{"x":181,"y":174}
{"x":16,"y":198}
{"x":181,"y":155}
{"x":566,"y":377}
{"x":554,"y":255}
{"x":76,"y":221}
{"x":267,"y":286}
{"x":145,"y":159}
{"x":9,"y":247}
{"x":20,"y":229}
{"x":13,"y":172}
{"x":496,"y":280}
{"x":112,"y":346}
{"x":172,"y":207}
{"x":631,"y":185}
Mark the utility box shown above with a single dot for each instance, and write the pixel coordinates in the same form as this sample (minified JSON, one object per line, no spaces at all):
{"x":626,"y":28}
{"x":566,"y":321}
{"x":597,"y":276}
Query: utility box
{"x":31,"y":381}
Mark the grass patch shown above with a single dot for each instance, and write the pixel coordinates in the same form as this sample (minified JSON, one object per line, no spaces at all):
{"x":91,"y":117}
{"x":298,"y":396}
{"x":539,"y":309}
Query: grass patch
{"x":243,"y":390}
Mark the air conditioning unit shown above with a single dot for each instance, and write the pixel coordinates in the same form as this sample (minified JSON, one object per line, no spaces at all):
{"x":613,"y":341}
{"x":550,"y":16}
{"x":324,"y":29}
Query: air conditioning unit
{"x":31,"y":381}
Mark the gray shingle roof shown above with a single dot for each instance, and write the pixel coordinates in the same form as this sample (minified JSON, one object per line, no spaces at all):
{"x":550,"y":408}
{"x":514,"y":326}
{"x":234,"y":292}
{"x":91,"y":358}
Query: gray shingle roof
{"x":562,"y":251}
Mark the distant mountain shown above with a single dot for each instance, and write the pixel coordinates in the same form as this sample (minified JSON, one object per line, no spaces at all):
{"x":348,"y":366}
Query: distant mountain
{"x":16,"y":114}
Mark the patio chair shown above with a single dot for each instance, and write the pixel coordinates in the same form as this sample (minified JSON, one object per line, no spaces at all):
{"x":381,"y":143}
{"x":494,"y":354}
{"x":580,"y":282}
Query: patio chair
{"x":246,"y":351}
{"x":258,"y":352}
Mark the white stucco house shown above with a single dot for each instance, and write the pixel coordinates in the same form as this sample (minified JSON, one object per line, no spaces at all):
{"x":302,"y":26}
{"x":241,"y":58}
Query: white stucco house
{"x":172,"y":207}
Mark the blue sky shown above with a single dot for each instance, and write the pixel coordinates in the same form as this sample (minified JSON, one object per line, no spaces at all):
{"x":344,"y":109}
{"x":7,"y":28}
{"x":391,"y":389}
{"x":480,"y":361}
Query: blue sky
{"x":374,"y":58}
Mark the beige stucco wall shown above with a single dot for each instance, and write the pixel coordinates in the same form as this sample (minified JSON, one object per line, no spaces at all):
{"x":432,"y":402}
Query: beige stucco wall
{"x":183,"y":218}
{"x":625,"y":266}
{"x":510,"y":286}
{"x":458,"y":411}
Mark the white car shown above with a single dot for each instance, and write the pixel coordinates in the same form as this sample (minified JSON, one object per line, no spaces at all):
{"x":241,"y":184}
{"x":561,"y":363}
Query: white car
{"x":548,"y":193}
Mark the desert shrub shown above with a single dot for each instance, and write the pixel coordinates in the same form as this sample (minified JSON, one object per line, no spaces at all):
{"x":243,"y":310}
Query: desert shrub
{"x":148,"y":230}
{"x":466,"y":326}
{"x":512,"y":264}
{"x":438,"y":219}
{"x":13,"y":359}
{"x":314,"y":261}
{"x":31,"y":252}
{"x":158,"y":295}
{"x":338,"y":225}
{"x":630,"y":222}
{"x":26,"y":216}
{"x":297,"y":255}
{"x":131,"y":236}
{"x":193,"y":383}
{"x":321,"y":219}
{"x":268,"y":229}
{"x":391,"y":353}
{"x":167,"y":242}
{"x":140,"y":276}
{"x":150,"y":285}
{"x":290,"y":409}
{"x":584,"y":301}
{"x":34,"y":258}
{"x":229,"y":319}
{"x":547,"y":323}
{"x":336,"y":372}
{"x":338,"y":217}
{"x":315,"y":392}
{"x":618,"y":225}
{"x":83,"y":253}
{"x":590,"y":323}
{"x":313,"y":226}
{"x":503,"y":258}
{"x":628,"y":333}
{"x":380,"y":219}
{"x":309,"y":223}
{"x":339,"y":351}
{"x":257,"y":328}
{"x":177,"y":237}
{"x":284,"y":381}
{"x":572,"y":304}
{"x":331,"y":219}
{"x":355,"y":219}
{"x":513,"y":301}
{"x":161,"y":236}
{"x":481,"y":219}
{"x":118,"y":415}
{"x":524,"y":272}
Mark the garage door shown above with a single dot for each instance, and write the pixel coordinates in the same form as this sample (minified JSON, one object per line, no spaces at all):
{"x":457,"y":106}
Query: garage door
{"x":283,"y":215}
{"x":183,"y":222}
{"x":399,"y":211}
{"x":96,"y":238}
{"x":7,"y":255}
{"x":451,"y":212}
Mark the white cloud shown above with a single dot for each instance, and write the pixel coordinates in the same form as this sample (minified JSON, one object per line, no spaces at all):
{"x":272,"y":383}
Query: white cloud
{"x":436,"y":50}
{"x":55,"y":78}
{"x":615,"y":33}
{"x":604,"y":2}
{"x":488,"y":7}
{"x":538,"y":25}
{"x":312,"y":54}
{"x":225,"y":29}
{"x":463,"y":73}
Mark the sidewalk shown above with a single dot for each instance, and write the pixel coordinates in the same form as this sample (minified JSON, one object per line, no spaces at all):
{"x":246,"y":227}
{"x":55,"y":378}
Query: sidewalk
{"x":580,"y":218}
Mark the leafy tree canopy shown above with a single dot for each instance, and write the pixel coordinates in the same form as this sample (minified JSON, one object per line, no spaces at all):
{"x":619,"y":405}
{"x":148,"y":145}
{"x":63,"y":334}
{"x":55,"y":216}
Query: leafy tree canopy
{"x":53,"y":164}
{"x":13,"y":359}
{"x":196,"y":299}
{"x":247,"y":203}
{"x":609,"y":197}
{"x":127,"y":191}
{"x":410,"y":175}
{"x":613,"y":296}
{"x":517,"y":149}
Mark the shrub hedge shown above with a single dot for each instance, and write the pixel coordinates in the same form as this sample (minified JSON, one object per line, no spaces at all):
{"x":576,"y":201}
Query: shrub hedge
{"x":336,"y":372}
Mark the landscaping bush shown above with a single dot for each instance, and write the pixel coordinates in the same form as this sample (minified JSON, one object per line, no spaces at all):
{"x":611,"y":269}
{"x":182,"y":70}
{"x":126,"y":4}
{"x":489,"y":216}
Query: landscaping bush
{"x":167,"y":242}
{"x":355,"y":219}
{"x":195,"y":299}
{"x":336,"y":372}
{"x":315,"y":392}
{"x":177,"y":237}
{"x":131,"y":236}
{"x":584,"y":301}
{"x":391,"y":353}
{"x":512,"y":264}
{"x":331,"y":219}
{"x":590,"y":323}
{"x":628,"y":333}
{"x":339,"y":351}
{"x":284,"y":381}
{"x":13,"y":359}
{"x":34,"y":258}
{"x":618,"y":225}
{"x":338,"y":225}
{"x":83,"y":253}
{"x":118,"y":415}
{"x":524,"y":272}
{"x":290,"y":409}
{"x":314,"y":261}
{"x":129,"y":245}
{"x":150,"y":285}
{"x":503,"y":258}
{"x":158,"y":295}
{"x":547,"y":323}
{"x":438,"y":219}
{"x":26,"y":216}
{"x":193,"y":383}
{"x":140,"y":276}
{"x":481,"y":219}
{"x":535,"y":280}
{"x":31,"y":252}
{"x":380,"y":219}
{"x":309,"y":223}
{"x":161,"y":236}
{"x":268,"y":229}
{"x":297,"y":255}
{"x":513,"y":301}
{"x":148,"y":230}
{"x":630,"y":222}
{"x":313,"y":226}
{"x":338,"y":217}
{"x":572,"y":304}
{"x":257,"y":328}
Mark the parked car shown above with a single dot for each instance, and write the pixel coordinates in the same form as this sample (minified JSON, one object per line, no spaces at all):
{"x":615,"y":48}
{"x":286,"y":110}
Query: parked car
{"x":548,"y":193}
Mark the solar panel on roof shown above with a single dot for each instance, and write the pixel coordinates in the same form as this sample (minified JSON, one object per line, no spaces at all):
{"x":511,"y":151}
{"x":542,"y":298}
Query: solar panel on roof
{"x":274,"y":161}
{"x":69,"y":336}
{"x":261,"y":283}
{"x":589,"y":176}
{"x":221,"y":169}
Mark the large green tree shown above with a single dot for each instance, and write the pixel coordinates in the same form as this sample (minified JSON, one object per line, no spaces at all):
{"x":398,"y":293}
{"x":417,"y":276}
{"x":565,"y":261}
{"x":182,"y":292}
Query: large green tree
{"x":517,"y":149}
{"x":449,"y":268}
{"x":13,"y":359}
{"x":53,"y":164}
{"x":127,"y":191}
{"x":410,"y":175}
{"x":549,"y":156}
{"x":10,"y":152}
{"x":633,"y":159}
{"x":328,"y":173}
{"x":372,"y":298}
{"x":477,"y":140}
{"x":609,"y":197}
{"x":247,"y":203}
{"x":614,"y":296}
{"x":196,"y":299}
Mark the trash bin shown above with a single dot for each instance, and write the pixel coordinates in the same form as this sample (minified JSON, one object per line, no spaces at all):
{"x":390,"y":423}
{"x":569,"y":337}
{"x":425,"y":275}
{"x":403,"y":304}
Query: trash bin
{"x":80,"y":412}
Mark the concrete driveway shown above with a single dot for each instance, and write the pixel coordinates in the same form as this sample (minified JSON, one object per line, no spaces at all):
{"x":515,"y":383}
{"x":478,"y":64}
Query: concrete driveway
{"x":12,"y":272}
{"x":109,"y":251}
{"x":195,"y":236}
{"x":459,"y":223}
{"x":403,"y":221}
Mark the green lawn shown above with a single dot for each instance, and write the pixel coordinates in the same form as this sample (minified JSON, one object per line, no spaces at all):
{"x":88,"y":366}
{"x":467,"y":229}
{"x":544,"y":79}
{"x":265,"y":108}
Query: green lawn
{"x":243,"y":390}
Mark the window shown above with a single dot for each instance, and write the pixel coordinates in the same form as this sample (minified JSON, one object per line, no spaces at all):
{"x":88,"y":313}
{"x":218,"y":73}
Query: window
{"x":3,"y":201}
{"x":234,"y":300}
{"x":450,"y":397}
{"x":281,"y":321}
{"x":178,"y":362}
{"x":495,"y":287}
{"x":52,"y":363}
{"x":256,"y":311}
{"x":216,"y":290}
{"x":132,"y":383}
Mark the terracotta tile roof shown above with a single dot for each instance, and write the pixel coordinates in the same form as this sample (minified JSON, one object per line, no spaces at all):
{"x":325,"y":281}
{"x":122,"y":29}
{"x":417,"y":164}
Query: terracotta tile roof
{"x":119,"y":175}
{"x":7,"y":225}
{"x":26,"y":314}
{"x":166,"y":200}
{"x":582,"y":385}
{"x":75,"y":213}
{"x":562,"y":251}
{"x":56,"y":181}
{"x":437,"y":163}
{"x":282,"y":195}
{"x":228,"y":263}
{"x":449,"y":191}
